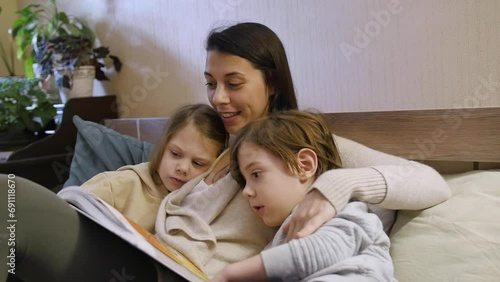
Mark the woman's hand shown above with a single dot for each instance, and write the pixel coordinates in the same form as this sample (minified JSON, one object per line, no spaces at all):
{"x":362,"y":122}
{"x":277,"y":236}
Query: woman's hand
{"x":312,"y":212}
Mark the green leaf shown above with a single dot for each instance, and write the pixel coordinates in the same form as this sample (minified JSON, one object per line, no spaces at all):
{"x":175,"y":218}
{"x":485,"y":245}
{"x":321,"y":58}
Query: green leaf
{"x":15,"y":95}
{"x":87,"y":32}
{"x":50,"y":28}
{"x":73,"y":30}
{"x":28,"y":67}
{"x":62,"y":17}
{"x":31,"y":26}
{"x":17,"y":26}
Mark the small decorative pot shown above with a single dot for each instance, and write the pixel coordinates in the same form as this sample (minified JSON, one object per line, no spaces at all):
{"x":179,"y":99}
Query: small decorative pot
{"x":82,"y":82}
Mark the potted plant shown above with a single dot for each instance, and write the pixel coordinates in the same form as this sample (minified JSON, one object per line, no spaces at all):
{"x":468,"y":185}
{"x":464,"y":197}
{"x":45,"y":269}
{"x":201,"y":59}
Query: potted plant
{"x":70,"y":57}
{"x":43,"y":21}
{"x":62,"y":46}
{"x":25,"y":112}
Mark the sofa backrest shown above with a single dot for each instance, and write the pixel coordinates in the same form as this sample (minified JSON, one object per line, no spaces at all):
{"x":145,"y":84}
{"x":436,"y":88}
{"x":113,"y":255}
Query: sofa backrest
{"x":144,"y":129}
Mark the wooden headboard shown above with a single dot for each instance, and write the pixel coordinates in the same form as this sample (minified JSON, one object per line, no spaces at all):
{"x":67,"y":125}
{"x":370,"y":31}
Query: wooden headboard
{"x":450,"y":140}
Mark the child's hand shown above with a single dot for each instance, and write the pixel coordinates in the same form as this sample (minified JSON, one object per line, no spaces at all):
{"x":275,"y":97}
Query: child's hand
{"x":220,"y":277}
{"x":250,"y":269}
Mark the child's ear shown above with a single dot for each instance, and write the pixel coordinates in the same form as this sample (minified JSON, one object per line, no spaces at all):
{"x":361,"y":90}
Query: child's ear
{"x":308,"y":163}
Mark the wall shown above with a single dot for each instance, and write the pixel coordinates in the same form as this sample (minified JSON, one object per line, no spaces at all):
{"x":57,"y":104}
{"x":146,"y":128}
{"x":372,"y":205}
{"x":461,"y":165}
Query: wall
{"x":7,"y":17}
{"x":345,"y":55}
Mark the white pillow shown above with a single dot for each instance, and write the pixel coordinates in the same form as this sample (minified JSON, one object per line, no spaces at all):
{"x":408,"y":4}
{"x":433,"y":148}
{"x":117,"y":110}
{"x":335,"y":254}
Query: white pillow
{"x":458,"y":240}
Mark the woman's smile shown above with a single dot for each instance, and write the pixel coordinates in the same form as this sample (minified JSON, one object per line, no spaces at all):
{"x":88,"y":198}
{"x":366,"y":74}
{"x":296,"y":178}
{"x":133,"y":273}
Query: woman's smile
{"x":229,"y":115}
{"x":230,"y":118}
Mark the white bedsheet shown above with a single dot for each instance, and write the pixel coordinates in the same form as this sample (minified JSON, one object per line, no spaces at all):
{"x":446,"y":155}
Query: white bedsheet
{"x":458,"y":240}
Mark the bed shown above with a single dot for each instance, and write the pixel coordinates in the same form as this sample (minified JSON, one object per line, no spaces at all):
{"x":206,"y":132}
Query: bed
{"x":458,"y":240}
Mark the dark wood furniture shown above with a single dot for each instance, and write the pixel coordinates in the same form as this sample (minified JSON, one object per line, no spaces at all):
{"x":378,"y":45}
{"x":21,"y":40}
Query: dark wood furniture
{"x":47,"y":161}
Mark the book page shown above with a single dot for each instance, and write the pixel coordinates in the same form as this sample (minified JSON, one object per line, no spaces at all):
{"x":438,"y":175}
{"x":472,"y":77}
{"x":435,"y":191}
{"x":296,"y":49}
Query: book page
{"x":169,"y":251}
{"x":108,"y":217}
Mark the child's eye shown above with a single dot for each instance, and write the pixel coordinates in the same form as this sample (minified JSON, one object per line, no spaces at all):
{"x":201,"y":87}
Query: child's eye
{"x":198,"y":164}
{"x":255,"y":174}
{"x":175,"y":154}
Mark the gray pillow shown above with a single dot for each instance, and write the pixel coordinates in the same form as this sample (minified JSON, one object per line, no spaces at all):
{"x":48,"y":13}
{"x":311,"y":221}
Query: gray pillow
{"x":100,"y":149}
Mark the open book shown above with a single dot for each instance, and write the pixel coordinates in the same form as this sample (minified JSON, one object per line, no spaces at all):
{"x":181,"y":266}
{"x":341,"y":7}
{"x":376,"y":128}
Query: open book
{"x":108,"y":217}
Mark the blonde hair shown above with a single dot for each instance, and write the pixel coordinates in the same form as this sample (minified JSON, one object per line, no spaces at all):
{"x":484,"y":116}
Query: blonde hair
{"x":204,"y":118}
{"x":284,"y":134}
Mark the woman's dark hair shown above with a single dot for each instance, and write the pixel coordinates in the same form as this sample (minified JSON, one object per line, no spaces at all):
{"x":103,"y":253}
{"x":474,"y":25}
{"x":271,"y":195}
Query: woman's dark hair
{"x":204,"y":118}
{"x":262,"y":47}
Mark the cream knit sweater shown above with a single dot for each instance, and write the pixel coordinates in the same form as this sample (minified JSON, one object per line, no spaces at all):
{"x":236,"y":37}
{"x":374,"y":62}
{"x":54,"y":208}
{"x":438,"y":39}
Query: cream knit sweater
{"x":220,"y":228}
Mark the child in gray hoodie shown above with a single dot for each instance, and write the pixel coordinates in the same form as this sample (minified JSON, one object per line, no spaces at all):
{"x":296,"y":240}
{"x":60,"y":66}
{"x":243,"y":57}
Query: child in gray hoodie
{"x":276,"y":159}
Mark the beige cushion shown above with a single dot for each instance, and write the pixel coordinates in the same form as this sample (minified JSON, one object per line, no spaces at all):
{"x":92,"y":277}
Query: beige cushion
{"x":458,"y":240}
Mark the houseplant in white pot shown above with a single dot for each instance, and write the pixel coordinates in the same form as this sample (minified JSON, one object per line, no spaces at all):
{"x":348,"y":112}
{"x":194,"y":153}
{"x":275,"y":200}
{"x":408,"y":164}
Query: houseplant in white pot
{"x":48,"y":37}
{"x":74,"y":63}
{"x":44,"y":21}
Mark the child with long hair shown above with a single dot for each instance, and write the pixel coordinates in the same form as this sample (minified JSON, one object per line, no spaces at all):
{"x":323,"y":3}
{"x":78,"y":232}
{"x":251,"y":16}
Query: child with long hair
{"x":192,"y":139}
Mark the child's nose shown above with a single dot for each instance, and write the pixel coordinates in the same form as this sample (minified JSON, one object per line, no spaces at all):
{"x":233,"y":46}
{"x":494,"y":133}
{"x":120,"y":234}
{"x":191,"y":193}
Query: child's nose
{"x":248,"y":192}
{"x":182,"y":167}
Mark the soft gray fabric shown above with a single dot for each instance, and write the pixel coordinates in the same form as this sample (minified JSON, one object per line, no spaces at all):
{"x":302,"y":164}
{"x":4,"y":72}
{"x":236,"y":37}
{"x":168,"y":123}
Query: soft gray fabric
{"x":352,"y":245}
{"x":99,"y":149}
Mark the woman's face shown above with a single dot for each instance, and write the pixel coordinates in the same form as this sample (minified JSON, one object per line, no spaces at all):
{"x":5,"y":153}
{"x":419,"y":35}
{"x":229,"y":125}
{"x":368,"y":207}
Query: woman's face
{"x":236,"y":90}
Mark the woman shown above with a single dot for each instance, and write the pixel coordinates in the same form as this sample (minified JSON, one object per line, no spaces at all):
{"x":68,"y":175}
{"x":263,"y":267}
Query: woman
{"x":247,"y":77}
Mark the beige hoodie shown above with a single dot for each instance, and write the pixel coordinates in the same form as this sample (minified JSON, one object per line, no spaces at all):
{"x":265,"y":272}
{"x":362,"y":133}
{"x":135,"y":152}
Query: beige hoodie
{"x":131,"y":191}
